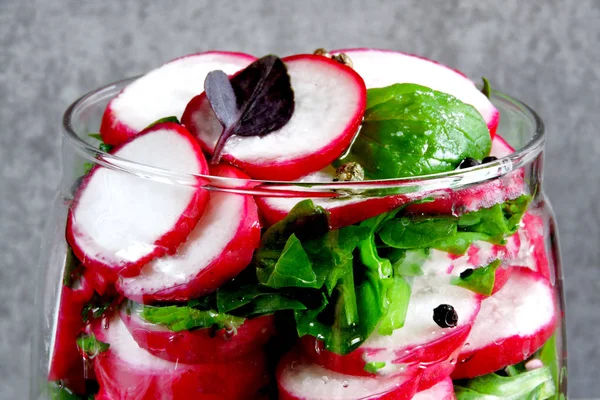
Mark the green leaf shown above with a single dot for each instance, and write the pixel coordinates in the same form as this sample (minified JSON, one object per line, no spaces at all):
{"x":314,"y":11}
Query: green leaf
{"x":172,"y":118}
{"x":291,"y":269}
{"x":268,"y":304}
{"x":415,"y":232}
{"x":71,"y":264}
{"x":481,"y":280}
{"x":91,"y":346}
{"x":459,"y":243}
{"x":57,"y":391}
{"x":486,"y":89}
{"x":183,"y":318}
{"x":549,"y":357}
{"x":411,"y":130}
{"x":535,"y":384}
{"x":374,"y":367}
{"x":96,"y":136}
{"x":87,"y":167}
{"x":105,"y":147}
{"x":410,"y":262}
{"x":397,"y":297}
{"x":95,"y":308}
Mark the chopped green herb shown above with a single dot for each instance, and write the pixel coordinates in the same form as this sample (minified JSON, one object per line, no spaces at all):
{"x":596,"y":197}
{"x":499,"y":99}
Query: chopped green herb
{"x":182,"y":318}
{"x":91,"y":346}
{"x":486,"y":89}
{"x":374,"y":367}
{"x":480,"y":280}
{"x":172,"y":118}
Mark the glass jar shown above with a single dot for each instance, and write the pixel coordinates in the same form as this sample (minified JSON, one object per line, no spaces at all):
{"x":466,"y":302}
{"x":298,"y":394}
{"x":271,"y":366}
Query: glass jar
{"x":347,"y":296}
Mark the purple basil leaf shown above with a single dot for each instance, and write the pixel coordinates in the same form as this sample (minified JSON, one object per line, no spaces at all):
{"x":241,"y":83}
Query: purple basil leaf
{"x":221,"y":97}
{"x":264,"y":98}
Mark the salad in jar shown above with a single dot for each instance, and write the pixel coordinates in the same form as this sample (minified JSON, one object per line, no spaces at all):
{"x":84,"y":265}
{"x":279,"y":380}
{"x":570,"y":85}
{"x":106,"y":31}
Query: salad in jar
{"x":351,"y":227}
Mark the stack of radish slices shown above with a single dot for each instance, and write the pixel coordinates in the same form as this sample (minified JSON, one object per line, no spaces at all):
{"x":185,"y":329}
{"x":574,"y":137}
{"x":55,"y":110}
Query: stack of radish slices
{"x":144,"y":244}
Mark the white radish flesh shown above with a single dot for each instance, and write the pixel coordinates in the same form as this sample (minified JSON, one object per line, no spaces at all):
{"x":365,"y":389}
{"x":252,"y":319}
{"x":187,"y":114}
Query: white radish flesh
{"x":119,"y":221}
{"x":164,"y":92}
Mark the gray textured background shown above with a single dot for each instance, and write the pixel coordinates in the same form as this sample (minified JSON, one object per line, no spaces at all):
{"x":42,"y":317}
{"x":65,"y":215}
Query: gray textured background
{"x":546,"y":53}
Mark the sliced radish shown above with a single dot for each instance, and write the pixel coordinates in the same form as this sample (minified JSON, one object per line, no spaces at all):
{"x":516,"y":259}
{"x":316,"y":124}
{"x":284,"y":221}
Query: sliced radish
{"x":219,"y":247}
{"x":119,"y":221}
{"x":441,"y":391}
{"x":200,"y":345}
{"x":351,"y":210}
{"x":483,"y":195}
{"x":299,"y":379}
{"x":125,"y":371}
{"x":511,"y":325}
{"x":420,"y":341}
{"x":329,"y":100}
{"x":381,"y":68}
{"x":163,"y":92}
{"x":533,"y":253}
{"x":66,"y":362}
{"x":478,"y":255}
{"x":434,"y":373}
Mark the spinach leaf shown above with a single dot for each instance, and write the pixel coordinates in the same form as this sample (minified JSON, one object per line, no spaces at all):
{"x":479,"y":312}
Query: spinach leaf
{"x":57,"y":391}
{"x":481,"y":280}
{"x":411,"y":130}
{"x":291,"y":268}
{"x":409,"y":262}
{"x":91,"y":346}
{"x":535,"y":384}
{"x":182,"y":318}
{"x":397,"y":298}
{"x":415,"y":232}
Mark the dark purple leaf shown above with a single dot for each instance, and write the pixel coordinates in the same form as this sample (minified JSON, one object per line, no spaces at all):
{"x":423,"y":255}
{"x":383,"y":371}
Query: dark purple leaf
{"x":264,"y":100}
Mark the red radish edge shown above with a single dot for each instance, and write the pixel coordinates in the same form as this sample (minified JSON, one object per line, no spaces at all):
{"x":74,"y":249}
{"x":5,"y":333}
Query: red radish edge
{"x":298,"y":379}
{"x":353,"y":210}
{"x":200,"y":345}
{"x":208,"y":257}
{"x":406,"y":346}
{"x":300,"y":165}
{"x":167,"y":242}
{"x":66,"y":363}
{"x":526,"y":299}
{"x":373,"y":70}
{"x":115,"y":131}
{"x":126,"y":371}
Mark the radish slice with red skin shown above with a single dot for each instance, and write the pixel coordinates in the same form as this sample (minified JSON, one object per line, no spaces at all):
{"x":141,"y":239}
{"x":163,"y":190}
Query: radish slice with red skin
{"x":441,"y":391}
{"x":344,"y":212}
{"x":380,"y":68}
{"x":118,"y":221}
{"x":330,"y":100}
{"x":200,"y":345}
{"x":420,"y":341}
{"x":126,"y":371}
{"x":512,"y":325}
{"x":483,"y":195}
{"x":164,"y":92}
{"x":299,"y":379}
{"x":220,"y":247}
{"x":432,"y":374}
{"x":66,"y":363}
{"x":534,"y":247}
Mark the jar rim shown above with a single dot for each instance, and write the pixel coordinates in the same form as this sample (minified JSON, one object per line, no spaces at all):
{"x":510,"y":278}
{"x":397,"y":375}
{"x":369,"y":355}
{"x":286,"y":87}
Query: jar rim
{"x":445,"y":180}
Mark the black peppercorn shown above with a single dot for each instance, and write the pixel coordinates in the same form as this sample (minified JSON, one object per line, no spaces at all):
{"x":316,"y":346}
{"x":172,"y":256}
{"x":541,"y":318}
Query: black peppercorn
{"x":467,"y":163}
{"x":488,"y":159}
{"x":445,"y":316}
{"x":466,"y":273}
